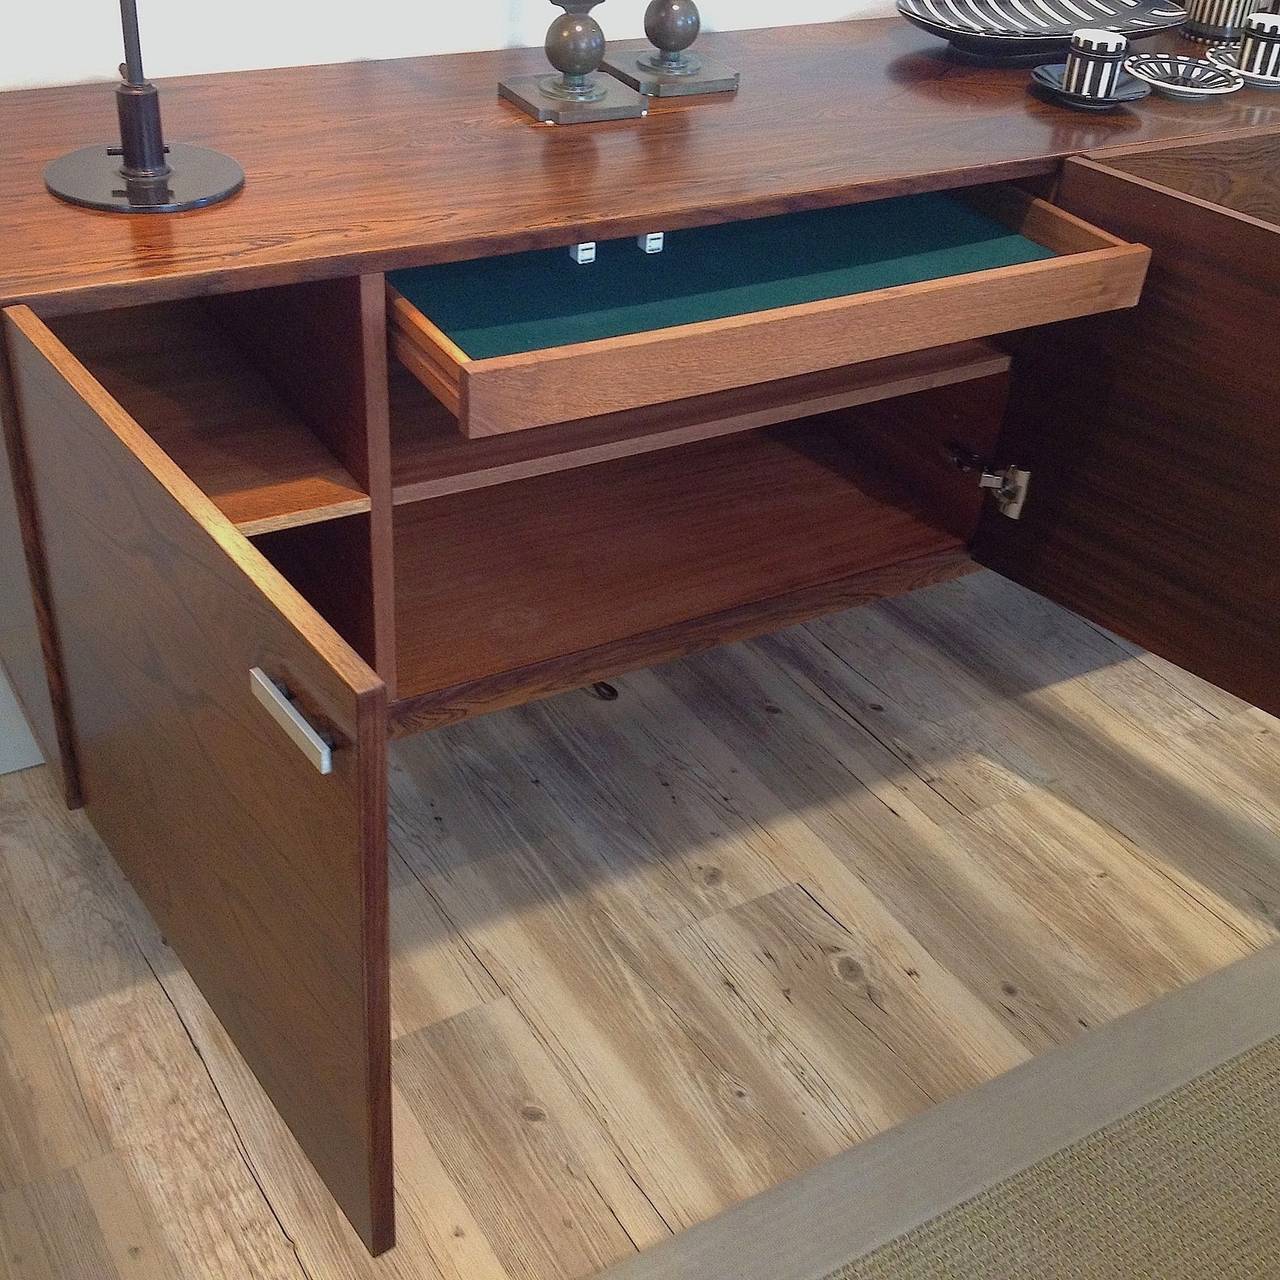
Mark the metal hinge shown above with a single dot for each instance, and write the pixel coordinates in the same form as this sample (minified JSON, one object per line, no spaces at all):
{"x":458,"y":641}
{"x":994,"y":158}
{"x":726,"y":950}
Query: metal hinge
{"x":1007,"y":485}
{"x":1009,"y":488}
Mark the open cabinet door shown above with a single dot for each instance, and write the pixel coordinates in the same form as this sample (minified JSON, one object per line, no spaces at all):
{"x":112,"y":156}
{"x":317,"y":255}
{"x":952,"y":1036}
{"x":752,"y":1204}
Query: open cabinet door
{"x":1153,"y":440}
{"x":265,"y":869}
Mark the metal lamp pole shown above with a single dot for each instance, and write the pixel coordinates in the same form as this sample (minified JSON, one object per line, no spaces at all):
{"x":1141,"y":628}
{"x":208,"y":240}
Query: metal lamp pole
{"x":142,"y":174}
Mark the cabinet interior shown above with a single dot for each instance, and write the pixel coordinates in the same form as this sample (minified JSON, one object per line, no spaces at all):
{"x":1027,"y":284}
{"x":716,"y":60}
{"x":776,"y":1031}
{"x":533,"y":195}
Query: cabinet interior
{"x":471,"y":572}
{"x":191,"y":386}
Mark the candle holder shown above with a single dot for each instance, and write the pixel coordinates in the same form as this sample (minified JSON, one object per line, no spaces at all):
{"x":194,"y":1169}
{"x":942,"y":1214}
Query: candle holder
{"x":669,"y":69}
{"x":142,"y":174}
{"x":577,"y":95}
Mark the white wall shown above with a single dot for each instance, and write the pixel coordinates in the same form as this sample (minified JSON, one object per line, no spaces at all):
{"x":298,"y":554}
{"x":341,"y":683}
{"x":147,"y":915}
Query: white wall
{"x":63,"y":41}
{"x":17,"y":747}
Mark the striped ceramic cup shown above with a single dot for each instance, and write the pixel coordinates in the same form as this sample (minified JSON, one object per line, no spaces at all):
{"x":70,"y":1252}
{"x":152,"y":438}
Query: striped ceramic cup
{"x":1094,"y":62}
{"x":1260,"y":48}
{"x":1218,"y":21}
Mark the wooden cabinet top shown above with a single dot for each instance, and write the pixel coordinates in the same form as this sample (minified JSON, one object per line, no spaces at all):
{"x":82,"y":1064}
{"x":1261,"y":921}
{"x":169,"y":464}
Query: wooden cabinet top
{"x":377,"y":165}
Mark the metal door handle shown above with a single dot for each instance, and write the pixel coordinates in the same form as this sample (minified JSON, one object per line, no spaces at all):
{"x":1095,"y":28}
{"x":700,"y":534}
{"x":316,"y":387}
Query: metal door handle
{"x":276,"y":699}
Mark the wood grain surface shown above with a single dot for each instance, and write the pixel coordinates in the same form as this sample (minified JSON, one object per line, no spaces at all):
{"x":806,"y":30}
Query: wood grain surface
{"x":331,"y":566}
{"x":324,"y":346}
{"x":193,"y":391}
{"x":430,"y":458}
{"x":272,"y":882}
{"x":1152,"y":443}
{"x":842,"y":1211}
{"x":431,"y":166}
{"x":511,"y":591}
{"x":479,"y":695}
{"x":955,"y":828}
{"x":1239,"y":173}
{"x":269,"y":879}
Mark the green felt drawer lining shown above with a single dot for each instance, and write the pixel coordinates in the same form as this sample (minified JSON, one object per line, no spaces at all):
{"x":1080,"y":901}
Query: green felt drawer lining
{"x":533,"y":301}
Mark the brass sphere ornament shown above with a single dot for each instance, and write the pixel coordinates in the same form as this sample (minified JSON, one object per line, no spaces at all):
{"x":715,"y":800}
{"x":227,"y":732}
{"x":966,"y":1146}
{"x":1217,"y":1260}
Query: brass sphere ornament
{"x":672,"y":26}
{"x":575,"y":47}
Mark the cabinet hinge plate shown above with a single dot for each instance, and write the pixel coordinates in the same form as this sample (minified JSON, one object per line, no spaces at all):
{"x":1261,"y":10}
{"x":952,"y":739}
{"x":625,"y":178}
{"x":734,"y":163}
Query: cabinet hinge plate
{"x":1009,"y":487}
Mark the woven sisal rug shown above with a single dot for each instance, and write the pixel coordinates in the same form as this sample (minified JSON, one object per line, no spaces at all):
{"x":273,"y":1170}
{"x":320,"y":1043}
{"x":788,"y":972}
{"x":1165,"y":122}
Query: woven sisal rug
{"x":1186,"y":1188}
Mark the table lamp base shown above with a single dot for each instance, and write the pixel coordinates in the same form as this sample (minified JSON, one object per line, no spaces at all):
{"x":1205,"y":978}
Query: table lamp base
{"x":91,"y":178}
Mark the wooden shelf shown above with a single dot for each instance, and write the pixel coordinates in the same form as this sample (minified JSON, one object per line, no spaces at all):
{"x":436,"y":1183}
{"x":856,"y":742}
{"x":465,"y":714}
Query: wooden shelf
{"x":431,"y":459}
{"x":646,"y":557}
{"x":185,"y":382}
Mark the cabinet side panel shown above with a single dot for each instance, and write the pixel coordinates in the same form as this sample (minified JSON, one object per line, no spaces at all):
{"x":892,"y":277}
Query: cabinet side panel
{"x":1152,"y":441}
{"x":28,"y":644}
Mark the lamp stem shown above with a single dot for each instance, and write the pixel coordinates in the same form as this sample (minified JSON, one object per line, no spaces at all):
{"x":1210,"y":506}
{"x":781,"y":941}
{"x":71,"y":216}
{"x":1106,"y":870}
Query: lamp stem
{"x":137,"y":176}
{"x":132,"y":42}
{"x":138,"y":106}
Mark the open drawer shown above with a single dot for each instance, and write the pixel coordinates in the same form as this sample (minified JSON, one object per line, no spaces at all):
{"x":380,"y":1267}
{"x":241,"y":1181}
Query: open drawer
{"x":532,"y":339}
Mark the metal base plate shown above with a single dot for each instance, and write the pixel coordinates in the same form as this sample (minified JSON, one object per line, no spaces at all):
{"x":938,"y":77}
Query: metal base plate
{"x":972,"y":59}
{"x":618,"y":103}
{"x":629,"y":64}
{"x":91,"y":178}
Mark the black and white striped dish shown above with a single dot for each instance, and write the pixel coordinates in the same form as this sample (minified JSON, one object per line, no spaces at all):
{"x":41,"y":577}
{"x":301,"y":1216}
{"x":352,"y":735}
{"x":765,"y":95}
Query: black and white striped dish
{"x":1217,"y":21}
{"x":1228,"y":60}
{"x":1128,"y":89}
{"x":1174,"y":75}
{"x":1013,"y":28}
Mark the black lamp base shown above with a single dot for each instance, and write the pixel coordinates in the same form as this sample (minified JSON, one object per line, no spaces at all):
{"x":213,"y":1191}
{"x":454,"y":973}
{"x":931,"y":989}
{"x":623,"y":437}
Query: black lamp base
{"x":91,"y":178}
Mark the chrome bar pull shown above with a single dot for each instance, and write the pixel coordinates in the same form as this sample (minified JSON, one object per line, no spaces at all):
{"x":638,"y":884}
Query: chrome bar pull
{"x":277,"y":701}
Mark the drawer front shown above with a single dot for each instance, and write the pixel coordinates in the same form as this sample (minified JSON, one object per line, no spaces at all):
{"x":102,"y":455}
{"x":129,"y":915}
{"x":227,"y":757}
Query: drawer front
{"x":1151,"y":438}
{"x":1234,"y":173}
{"x":1091,"y":272}
{"x":267,"y":875}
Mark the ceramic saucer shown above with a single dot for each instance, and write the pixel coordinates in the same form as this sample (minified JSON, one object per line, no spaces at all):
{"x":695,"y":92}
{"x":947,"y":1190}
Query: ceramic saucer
{"x":1128,"y":89}
{"x":1174,"y":75}
{"x":1227,"y":60}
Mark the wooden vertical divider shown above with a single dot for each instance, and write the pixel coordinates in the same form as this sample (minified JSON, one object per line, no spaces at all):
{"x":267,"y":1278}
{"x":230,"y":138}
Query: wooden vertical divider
{"x":323,"y":345}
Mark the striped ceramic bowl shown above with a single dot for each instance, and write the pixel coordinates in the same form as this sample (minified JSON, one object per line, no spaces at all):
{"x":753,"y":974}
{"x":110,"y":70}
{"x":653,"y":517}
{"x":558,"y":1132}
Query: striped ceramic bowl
{"x":1016,"y":28}
{"x":1182,"y":78}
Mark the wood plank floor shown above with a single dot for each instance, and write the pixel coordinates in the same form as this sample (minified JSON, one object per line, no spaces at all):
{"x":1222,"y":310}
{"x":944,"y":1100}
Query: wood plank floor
{"x":657,"y":953}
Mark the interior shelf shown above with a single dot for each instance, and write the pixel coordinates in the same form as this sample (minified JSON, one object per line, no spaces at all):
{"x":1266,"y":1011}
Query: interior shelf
{"x":430,"y":459}
{"x":651,"y":555}
{"x":187,"y":384}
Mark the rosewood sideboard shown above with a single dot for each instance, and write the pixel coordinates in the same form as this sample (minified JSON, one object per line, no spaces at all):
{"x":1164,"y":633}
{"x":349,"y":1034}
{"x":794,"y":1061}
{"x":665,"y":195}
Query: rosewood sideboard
{"x":285,"y":482}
